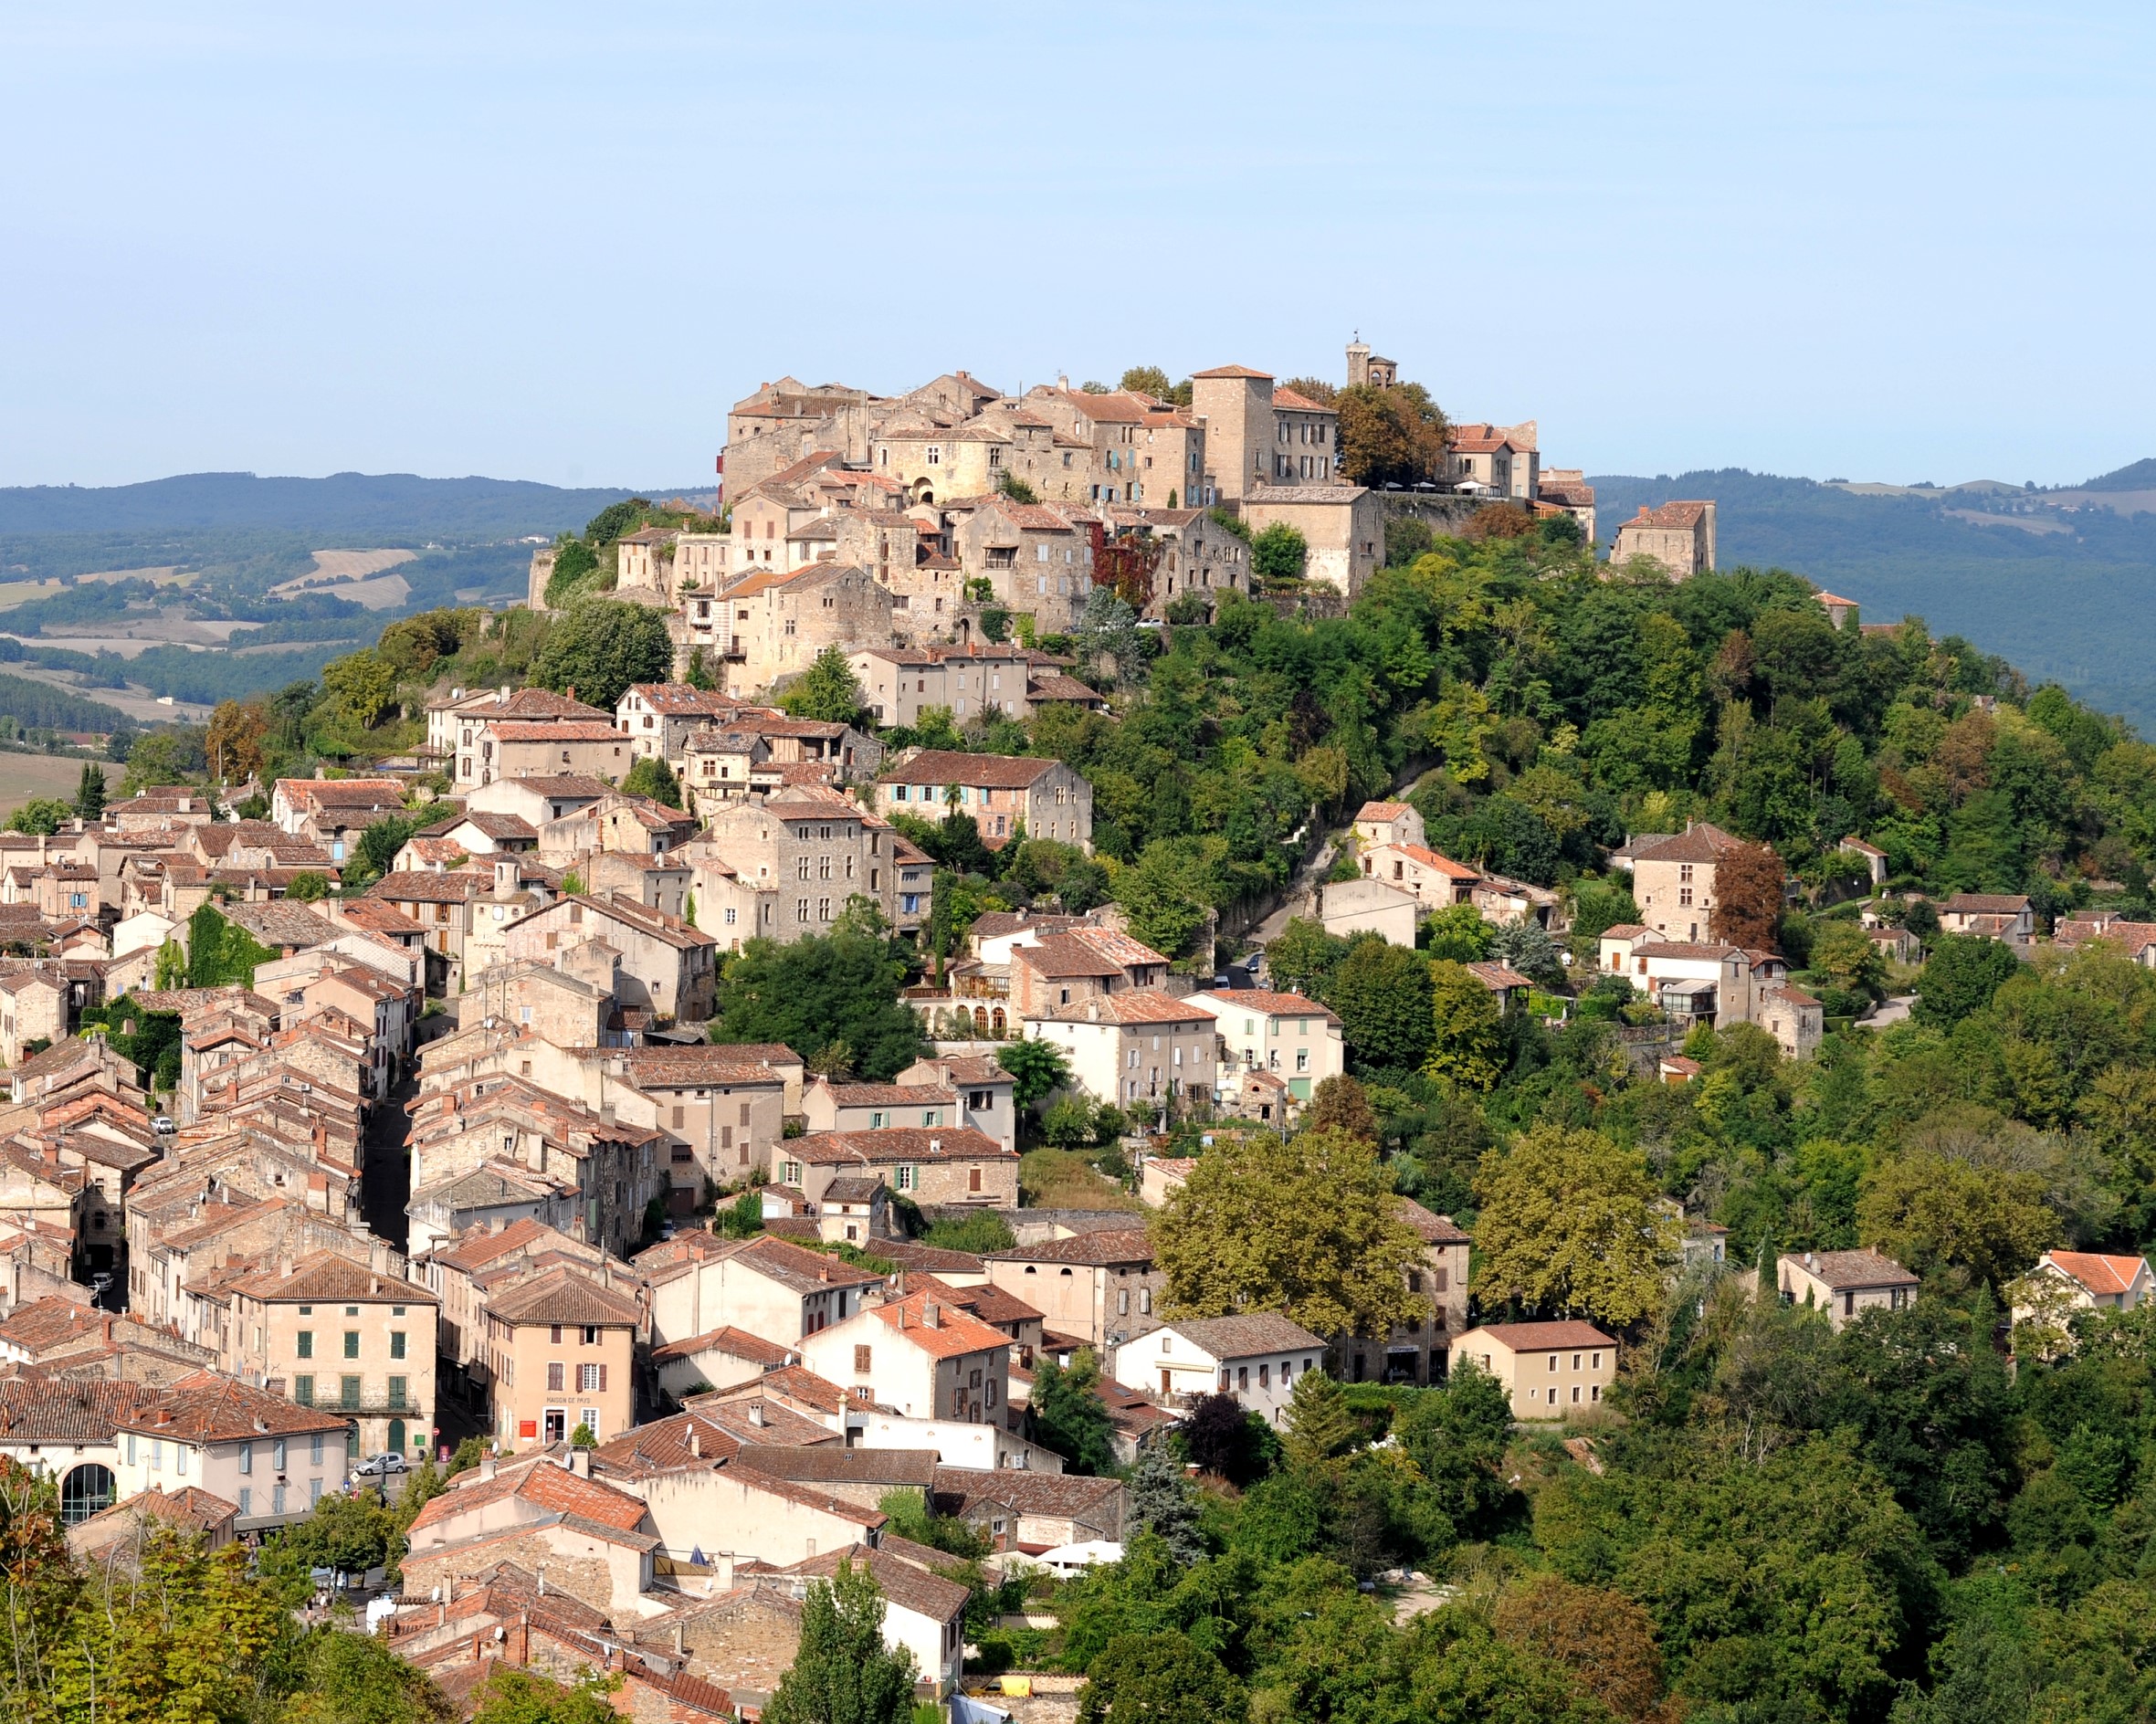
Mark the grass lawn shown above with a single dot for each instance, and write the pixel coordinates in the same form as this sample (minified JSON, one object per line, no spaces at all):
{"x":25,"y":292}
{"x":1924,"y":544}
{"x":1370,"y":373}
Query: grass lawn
{"x":1063,"y":1178}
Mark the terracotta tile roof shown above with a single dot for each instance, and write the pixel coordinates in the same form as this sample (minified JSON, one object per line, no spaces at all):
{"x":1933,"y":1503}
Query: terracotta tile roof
{"x":424,"y":886}
{"x":907,"y":1584}
{"x":1243,"y":1336}
{"x":1112,"y":1246}
{"x":911,"y":1256}
{"x":1840,"y":1269}
{"x":737,"y":1342}
{"x":562,"y":785}
{"x":327,"y":1279}
{"x":1498,"y":977}
{"x":565,"y":1295}
{"x":798,"y":1382}
{"x":1430,"y":859}
{"x":1055,"y":955}
{"x":1682,"y":516}
{"x":1027,"y":1492}
{"x":1271,"y":1004}
{"x":1435,"y":1229}
{"x":1235,"y":371}
{"x":1535,"y":1338}
{"x":897,"y":1143}
{"x":2099,"y":1274}
{"x":1794,"y":996}
{"x":1702,"y":843}
{"x":207,"y":1407}
{"x":1295,"y":401}
{"x":658,"y":1066}
{"x":991,"y":1304}
{"x":831,"y":1464}
{"x":945,"y":766}
{"x":951,"y":1334}
{"x":45,"y":1410}
{"x":1133,"y":1005}
{"x":544,"y":1484}
{"x":1673,"y":948}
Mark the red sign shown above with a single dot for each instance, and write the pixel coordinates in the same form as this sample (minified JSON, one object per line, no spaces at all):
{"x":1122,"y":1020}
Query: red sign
{"x":527,"y":1427}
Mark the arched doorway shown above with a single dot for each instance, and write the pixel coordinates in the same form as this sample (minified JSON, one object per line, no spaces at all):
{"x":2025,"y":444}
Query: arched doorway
{"x":87,"y":1491}
{"x":397,"y":1437}
{"x":996,"y":1021}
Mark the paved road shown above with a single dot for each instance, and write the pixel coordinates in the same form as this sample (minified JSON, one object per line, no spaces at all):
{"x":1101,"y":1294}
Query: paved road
{"x":386,"y":1175}
{"x":1894,"y":1011}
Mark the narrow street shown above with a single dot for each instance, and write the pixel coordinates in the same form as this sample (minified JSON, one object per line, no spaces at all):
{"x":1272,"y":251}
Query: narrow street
{"x":385,"y":1173}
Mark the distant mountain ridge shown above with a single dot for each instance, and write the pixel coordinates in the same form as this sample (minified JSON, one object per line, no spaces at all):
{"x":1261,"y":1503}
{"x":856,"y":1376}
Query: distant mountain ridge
{"x":2066,"y":592}
{"x":376,"y":507}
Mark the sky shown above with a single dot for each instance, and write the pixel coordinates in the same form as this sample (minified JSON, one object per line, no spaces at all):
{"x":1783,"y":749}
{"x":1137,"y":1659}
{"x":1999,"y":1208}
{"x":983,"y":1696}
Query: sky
{"x":1884,"y":241}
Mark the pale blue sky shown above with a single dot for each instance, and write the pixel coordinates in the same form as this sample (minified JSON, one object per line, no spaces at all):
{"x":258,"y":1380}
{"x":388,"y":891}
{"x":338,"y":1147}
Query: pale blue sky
{"x":1879,"y":240}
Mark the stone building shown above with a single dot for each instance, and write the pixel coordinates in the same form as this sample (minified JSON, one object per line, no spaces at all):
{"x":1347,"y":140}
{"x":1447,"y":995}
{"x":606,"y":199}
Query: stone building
{"x":784,"y":619}
{"x":1001,"y":792}
{"x":1344,"y":526}
{"x":1679,"y":536}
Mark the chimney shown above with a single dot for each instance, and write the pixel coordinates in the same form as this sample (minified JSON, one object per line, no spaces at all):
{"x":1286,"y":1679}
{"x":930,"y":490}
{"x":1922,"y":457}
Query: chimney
{"x":580,"y":1462}
{"x":501,"y":700}
{"x":486,"y":1465}
{"x":696,"y":1442}
{"x":722,"y":1571}
{"x":679,"y":1650}
{"x":931,"y":1314}
{"x":1811,"y":1259}
{"x":543,"y":1580}
{"x":756,"y":1413}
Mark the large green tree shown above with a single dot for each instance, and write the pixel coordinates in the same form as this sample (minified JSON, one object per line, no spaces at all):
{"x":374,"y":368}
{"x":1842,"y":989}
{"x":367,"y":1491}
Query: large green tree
{"x":1569,"y":1226}
{"x":599,"y":646}
{"x":1306,"y":1226}
{"x":833,"y":997}
{"x":843,"y":1672}
{"x":1384,"y":997}
{"x":827,"y":690}
{"x":1960,"y":976}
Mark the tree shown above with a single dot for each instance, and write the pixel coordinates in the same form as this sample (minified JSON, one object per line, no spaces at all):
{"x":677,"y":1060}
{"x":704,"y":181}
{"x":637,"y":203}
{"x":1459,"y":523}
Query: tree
{"x":233,"y":740}
{"x":90,"y":794}
{"x":1606,"y":1640}
{"x":1224,"y":1438}
{"x":843,"y":1673}
{"x":1160,"y":1501}
{"x":43,"y":815}
{"x":222,"y":954}
{"x":1146,"y":380}
{"x":1568,"y":1225}
{"x":375,"y":853}
{"x":1390,"y":437}
{"x":652,"y":777}
{"x":1280,"y":555}
{"x":827,"y":691}
{"x":1459,"y":933}
{"x":575,"y":565}
{"x":1305,"y":1226}
{"x":1383,"y":995}
{"x":822,"y":991}
{"x":1037,"y":1069}
{"x":1526,"y":945}
{"x":1304,"y":957}
{"x":356,"y":1679}
{"x":599,"y":646}
{"x":158,"y":757}
{"x":519,"y":1697}
{"x":363,"y":684}
{"x":1167,"y":892}
{"x":1159,"y":1678}
{"x":1457,"y":1437}
{"x":1318,"y":1428}
{"x":1747,"y":896}
{"x":1467,"y":1045}
{"x":1929,"y":1212}
{"x":1066,"y":1414}
{"x":1340,"y":1104}
{"x":1960,"y":976}
{"x":309,"y":886}
{"x":1844,"y":952}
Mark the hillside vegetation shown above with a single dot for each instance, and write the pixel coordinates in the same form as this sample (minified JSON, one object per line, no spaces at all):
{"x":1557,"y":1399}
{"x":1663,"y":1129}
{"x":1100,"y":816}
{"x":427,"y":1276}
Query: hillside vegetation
{"x":2077,"y":605}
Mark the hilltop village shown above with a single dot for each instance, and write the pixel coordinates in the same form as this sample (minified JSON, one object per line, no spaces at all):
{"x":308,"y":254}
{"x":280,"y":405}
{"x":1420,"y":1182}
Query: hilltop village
{"x":1123,"y":1021}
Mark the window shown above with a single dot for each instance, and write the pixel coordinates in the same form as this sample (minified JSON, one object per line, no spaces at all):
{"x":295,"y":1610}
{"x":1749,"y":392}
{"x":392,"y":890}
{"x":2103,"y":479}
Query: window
{"x":307,"y":1343}
{"x":246,"y":1458}
{"x":397,"y":1386}
{"x":591,"y":1379}
{"x":348,"y":1393}
{"x":591,"y":1334}
{"x":314,"y":1448}
{"x":396,"y":1343}
{"x":1241,"y":1376}
{"x":277,"y":1500}
{"x":1553,"y":1365}
{"x":863,"y":1356}
{"x":1264,"y":1376}
{"x":1145,"y":1300}
{"x":351,"y":1343}
{"x":277,"y":1456}
{"x":554,"y":1376}
{"x":246,"y":1502}
{"x":554,"y":1333}
{"x":1122,"y":1302}
{"x":302,"y":1393}
{"x":906,"y":1178}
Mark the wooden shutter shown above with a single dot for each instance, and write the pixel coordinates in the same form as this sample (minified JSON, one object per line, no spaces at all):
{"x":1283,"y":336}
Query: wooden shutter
{"x":602,"y":1379}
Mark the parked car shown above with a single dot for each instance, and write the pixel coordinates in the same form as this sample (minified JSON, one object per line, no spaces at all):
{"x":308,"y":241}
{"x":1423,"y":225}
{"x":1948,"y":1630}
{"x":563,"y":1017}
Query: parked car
{"x":163,"y":1122}
{"x":381,"y":1466}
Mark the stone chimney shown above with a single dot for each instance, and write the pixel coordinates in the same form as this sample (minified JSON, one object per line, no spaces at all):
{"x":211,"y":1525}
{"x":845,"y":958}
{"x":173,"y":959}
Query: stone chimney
{"x":756,"y":1413}
{"x":722,"y":1571}
{"x":931,"y":1314}
{"x":486,"y":1465}
{"x":580,"y":1462}
{"x":696,"y":1442}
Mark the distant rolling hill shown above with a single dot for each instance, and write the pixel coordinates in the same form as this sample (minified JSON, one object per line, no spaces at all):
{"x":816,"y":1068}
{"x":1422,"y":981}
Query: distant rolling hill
{"x":2062,"y":583}
{"x":378,"y":507}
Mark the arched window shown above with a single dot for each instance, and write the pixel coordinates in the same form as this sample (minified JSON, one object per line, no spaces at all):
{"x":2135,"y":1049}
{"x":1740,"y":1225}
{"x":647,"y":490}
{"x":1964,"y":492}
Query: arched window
{"x":84,"y":1492}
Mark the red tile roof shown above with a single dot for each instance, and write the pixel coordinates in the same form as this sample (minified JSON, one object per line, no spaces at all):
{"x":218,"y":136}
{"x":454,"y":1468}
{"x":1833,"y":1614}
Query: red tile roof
{"x":1538,"y":1337}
